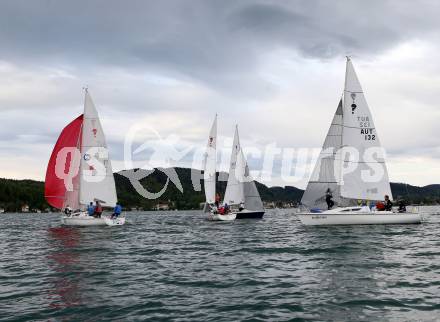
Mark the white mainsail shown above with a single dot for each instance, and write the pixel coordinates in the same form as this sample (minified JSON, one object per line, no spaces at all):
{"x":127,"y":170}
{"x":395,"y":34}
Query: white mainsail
{"x":234,"y":188}
{"x":96,"y":175}
{"x":351,"y":163}
{"x":210,"y":161}
{"x":369,"y":180}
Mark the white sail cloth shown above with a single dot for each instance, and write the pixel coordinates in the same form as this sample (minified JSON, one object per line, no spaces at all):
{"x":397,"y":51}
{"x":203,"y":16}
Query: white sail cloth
{"x":234,"y":188}
{"x":326,"y":173}
{"x":252,"y":199}
{"x":96,"y":175}
{"x":210,"y":161}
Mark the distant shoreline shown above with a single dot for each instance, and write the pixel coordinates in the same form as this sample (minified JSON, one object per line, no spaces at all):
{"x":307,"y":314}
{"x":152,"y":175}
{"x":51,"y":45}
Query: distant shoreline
{"x":28,"y":195}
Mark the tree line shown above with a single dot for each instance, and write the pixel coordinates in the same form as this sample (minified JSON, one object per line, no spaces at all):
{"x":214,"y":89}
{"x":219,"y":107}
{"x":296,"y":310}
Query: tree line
{"x":14,"y":194}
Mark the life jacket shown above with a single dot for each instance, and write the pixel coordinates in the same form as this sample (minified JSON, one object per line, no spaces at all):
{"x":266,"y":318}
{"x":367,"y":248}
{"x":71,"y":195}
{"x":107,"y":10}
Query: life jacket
{"x":380,"y":206}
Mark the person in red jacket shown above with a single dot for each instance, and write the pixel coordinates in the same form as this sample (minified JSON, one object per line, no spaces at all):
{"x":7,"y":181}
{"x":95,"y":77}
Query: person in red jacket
{"x":380,"y":206}
{"x":98,"y":210}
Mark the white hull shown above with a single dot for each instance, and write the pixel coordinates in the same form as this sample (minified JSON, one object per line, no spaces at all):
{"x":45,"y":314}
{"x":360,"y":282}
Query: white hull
{"x":82,"y":219}
{"x":218,"y":217}
{"x":114,"y":222}
{"x":345,"y":216}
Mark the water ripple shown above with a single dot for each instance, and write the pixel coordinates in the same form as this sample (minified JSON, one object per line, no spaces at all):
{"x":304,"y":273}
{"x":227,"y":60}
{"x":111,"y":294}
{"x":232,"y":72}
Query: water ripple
{"x":178,"y":266}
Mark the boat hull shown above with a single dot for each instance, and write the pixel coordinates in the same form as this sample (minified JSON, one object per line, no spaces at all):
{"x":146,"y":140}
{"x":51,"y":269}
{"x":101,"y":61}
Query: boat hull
{"x":82,"y":219}
{"x":321,"y":219}
{"x":218,"y":217}
{"x":115,"y":221}
{"x":250,"y":214}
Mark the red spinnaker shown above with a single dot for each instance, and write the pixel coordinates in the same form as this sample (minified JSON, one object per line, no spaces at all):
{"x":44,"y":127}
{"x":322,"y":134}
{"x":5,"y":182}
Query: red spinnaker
{"x":54,"y":188}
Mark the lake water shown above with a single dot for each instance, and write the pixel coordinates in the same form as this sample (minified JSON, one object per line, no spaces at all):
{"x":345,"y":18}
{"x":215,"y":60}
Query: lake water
{"x":178,"y":266}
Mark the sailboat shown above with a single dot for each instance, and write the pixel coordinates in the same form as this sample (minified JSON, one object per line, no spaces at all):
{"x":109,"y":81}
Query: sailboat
{"x":351,"y":167}
{"x":209,"y":177}
{"x":80,"y":171}
{"x":241,"y":192}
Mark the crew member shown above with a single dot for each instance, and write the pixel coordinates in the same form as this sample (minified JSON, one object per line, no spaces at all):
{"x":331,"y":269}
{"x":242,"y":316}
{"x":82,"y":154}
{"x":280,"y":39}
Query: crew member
{"x":388,"y":203}
{"x":90,"y":209}
{"x":98,"y":210}
{"x":217,"y":199}
{"x":402,"y":206}
{"x":117,"y":211}
{"x":329,"y":199}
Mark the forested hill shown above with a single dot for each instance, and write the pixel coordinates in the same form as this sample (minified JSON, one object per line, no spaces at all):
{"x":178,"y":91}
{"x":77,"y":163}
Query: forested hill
{"x":428,"y":194}
{"x":14,"y":194}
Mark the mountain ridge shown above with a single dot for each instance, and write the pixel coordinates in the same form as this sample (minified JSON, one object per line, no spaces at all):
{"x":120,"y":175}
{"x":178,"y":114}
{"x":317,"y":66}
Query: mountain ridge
{"x":14,"y":194}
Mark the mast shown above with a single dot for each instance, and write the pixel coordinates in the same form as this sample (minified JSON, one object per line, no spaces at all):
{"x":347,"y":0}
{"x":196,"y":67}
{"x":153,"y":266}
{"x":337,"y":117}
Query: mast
{"x":341,"y":162}
{"x":80,"y":140}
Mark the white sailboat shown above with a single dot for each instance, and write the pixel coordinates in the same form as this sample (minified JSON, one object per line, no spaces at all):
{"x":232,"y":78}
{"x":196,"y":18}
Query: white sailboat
{"x":81,"y":149}
{"x":209,"y":177}
{"x":351,"y":166}
{"x":241,"y":192}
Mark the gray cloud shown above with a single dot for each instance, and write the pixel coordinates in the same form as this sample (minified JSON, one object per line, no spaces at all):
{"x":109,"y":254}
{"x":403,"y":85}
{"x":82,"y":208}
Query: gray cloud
{"x":217,"y":42}
{"x":175,"y":63}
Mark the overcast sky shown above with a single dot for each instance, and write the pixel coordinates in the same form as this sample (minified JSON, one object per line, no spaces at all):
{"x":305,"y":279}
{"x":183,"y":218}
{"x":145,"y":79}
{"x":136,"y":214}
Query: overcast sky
{"x":274,"y":67}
